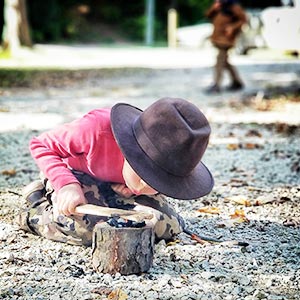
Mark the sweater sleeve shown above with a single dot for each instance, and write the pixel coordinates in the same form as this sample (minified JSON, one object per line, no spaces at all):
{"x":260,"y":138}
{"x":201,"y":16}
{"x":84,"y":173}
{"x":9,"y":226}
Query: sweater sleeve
{"x":69,"y":141}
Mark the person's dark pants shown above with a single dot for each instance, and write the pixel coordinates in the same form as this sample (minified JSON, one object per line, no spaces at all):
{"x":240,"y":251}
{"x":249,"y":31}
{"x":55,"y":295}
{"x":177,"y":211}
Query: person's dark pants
{"x":222,"y":64}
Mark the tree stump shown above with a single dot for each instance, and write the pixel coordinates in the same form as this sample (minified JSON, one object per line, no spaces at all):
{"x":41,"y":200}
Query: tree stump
{"x":125,"y":250}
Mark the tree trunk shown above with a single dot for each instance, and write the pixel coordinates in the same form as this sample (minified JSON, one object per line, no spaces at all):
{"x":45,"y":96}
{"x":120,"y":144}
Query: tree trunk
{"x":123,"y":250}
{"x":16,"y":27}
{"x":24,"y":34}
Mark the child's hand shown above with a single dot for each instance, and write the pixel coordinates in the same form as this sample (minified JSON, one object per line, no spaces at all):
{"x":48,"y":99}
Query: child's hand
{"x":122,"y":190}
{"x":68,"y":197}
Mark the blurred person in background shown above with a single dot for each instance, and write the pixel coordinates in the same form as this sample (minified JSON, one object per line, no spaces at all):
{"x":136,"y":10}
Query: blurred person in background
{"x":227,"y":17}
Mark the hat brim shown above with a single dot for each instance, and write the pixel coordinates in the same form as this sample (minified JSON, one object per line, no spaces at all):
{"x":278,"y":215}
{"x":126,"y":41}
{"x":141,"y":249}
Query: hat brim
{"x":198,"y":184}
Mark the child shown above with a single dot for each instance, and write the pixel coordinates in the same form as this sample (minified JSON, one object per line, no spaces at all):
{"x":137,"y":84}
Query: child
{"x":120,"y":158}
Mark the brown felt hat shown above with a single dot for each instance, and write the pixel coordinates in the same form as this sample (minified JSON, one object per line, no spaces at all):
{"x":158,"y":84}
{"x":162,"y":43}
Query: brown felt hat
{"x":164,"y":145}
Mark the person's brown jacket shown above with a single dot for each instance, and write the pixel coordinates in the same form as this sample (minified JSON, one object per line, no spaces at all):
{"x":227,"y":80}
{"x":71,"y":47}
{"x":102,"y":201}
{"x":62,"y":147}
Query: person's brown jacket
{"x":226,"y":26}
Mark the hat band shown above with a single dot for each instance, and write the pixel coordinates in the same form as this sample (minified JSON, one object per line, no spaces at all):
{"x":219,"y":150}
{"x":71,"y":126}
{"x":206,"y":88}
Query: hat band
{"x":160,"y":159}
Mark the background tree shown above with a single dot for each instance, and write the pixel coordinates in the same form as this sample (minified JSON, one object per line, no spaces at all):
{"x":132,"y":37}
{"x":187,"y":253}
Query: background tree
{"x":16,"y":26}
{"x":99,"y":21}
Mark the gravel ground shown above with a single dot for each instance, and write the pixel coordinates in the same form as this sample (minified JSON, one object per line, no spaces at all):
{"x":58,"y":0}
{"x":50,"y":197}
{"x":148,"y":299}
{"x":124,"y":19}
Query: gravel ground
{"x":254,"y":155}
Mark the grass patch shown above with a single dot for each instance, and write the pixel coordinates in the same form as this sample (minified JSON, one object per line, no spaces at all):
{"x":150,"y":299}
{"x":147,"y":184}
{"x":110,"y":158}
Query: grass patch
{"x":12,"y":78}
{"x":34,"y":78}
{"x":5,"y":54}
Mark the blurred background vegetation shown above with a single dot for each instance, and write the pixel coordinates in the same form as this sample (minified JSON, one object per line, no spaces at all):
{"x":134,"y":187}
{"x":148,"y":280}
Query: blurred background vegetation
{"x":108,"y":21}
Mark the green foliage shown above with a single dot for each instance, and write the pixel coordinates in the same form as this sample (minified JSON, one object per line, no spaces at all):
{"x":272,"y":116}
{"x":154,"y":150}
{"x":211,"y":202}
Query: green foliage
{"x":10,"y":78}
{"x":1,"y":17}
{"x":5,"y":54}
{"x":57,"y":77}
{"x":135,"y":27}
{"x":110,"y":13}
{"x":192,"y":11}
{"x":45,"y":19}
{"x":54,"y":20}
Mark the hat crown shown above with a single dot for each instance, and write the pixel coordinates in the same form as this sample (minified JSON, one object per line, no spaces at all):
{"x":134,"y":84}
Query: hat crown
{"x":174,"y":134}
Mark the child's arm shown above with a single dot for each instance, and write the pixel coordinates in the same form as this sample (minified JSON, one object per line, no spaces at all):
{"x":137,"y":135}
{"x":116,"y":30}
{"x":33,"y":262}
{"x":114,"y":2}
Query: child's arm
{"x":75,"y":142}
{"x":51,"y":148}
{"x":69,"y":145}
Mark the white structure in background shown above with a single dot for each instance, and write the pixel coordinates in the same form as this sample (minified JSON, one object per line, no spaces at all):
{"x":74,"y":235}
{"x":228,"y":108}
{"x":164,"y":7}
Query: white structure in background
{"x":194,"y":36}
{"x":272,"y":27}
{"x":281,"y":28}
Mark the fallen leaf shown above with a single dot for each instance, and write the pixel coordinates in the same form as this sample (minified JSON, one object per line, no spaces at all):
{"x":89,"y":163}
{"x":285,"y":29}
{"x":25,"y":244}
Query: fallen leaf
{"x":245,"y":145}
{"x":11,"y":172}
{"x":264,"y":200}
{"x":117,"y":294}
{"x":237,"y":213}
{"x":253,"y":132}
{"x":250,"y":146}
{"x":172,"y":243}
{"x":243,"y":200}
{"x":239,"y":216}
{"x":240,"y":220}
{"x":209,"y":210}
{"x":232,"y":146}
{"x":285,"y":128}
{"x":239,"y":199}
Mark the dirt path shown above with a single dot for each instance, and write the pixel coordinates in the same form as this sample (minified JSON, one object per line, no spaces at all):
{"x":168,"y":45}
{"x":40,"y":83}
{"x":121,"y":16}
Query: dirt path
{"x":254,"y":156}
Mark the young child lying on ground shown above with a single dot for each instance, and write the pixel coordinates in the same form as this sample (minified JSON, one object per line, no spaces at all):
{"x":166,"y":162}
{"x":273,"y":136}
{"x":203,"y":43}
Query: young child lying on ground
{"x":121,"y":157}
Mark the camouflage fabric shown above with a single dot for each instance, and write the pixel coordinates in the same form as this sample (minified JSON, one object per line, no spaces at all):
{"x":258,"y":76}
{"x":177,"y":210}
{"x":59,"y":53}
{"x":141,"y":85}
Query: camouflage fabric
{"x":38,"y":217}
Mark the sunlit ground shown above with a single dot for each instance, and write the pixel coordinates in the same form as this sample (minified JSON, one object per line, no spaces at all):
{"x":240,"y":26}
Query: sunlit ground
{"x":95,"y":56}
{"x":279,"y":70}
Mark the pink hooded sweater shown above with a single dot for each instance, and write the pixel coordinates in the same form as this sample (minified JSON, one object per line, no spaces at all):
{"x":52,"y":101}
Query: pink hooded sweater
{"x":86,"y":144}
